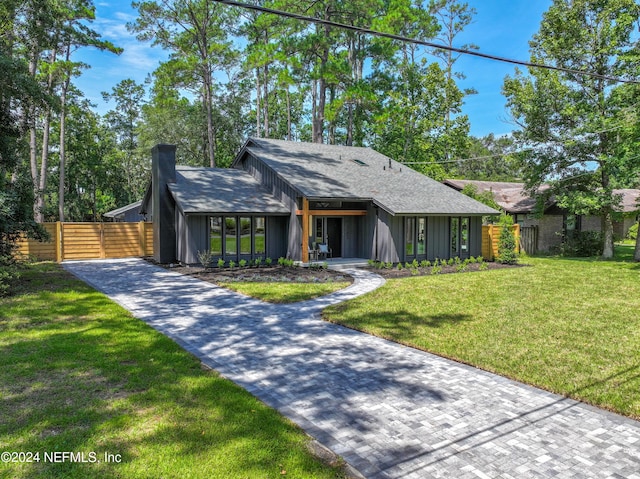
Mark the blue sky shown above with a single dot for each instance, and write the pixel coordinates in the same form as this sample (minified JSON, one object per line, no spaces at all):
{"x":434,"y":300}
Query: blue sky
{"x":500,"y":27}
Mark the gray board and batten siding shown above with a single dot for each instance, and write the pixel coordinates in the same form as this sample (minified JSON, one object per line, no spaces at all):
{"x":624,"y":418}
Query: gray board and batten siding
{"x":389,"y":191}
{"x":368,"y":198}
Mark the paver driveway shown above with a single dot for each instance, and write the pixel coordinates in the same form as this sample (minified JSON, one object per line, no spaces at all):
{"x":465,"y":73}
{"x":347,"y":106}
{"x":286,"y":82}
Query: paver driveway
{"x":388,"y":410}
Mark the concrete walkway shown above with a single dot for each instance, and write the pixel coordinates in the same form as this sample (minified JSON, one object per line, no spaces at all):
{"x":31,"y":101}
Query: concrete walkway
{"x":388,"y":410}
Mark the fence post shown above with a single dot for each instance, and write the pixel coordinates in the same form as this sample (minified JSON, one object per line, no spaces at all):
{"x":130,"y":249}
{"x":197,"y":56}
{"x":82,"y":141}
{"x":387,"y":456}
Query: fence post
{"x":103,"y":253}
{"x":58,"y":242}
{"x":142,"y":239}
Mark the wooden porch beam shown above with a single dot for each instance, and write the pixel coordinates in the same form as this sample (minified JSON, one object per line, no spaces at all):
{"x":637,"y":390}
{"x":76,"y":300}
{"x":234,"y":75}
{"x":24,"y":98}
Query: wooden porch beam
{"x":305,"y":230}
{"x":331,"y":212}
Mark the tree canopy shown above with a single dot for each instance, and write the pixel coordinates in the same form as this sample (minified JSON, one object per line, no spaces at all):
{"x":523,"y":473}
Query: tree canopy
{"x":578,"y":130}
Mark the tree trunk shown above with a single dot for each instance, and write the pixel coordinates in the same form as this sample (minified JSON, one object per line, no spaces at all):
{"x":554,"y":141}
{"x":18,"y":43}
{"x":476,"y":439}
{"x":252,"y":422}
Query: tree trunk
{"x":63,"y":118}
{"x":318,"y":118}
{"x":636,"y":254}
{"x":257,"y":103}
{"x":265,"y":101}
{"x":314,"y":108}
{"x":208,"y":100}
{"x":33,"y":142}
{"x":46,"y":130}
{"x":607,"y":225}
{"x":288,"y":114}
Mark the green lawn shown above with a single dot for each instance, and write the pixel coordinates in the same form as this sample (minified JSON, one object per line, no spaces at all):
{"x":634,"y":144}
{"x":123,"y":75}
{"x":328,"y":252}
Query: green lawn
{"x":567,"y":325}
{"x":79,"y":374}
{"x":280,"y":292}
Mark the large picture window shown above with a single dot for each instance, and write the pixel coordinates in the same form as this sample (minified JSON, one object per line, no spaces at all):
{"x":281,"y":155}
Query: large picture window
{"x":459,"y":228}
{"x":230,"y":236}
{"x":215,"y":238}
{"x":410,"y":236}
{"x":245,"y":236}
{"x":259,"y":234}
{"x":464,"y":235}
{"x":422,"y":235}
{"x":455,"y":236}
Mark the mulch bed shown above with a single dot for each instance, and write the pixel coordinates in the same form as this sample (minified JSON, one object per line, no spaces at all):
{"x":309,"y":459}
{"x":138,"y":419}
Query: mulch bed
{"x":285,"y":274}
{"x":407,"y":272}
{"x":262,"y":274}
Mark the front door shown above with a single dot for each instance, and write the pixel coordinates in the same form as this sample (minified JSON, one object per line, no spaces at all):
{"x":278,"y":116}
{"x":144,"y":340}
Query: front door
{"x":334,"y":236}
{"x":329,"y":230}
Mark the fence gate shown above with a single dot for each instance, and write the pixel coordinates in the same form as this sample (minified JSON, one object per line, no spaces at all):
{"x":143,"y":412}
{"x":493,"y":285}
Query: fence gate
{"x":529,"y":239}
{"x":69,"y":241}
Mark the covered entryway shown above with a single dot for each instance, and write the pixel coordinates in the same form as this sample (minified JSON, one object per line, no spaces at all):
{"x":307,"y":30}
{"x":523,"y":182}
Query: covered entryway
{"x":334,"y":236}
{"x":328,"y":230}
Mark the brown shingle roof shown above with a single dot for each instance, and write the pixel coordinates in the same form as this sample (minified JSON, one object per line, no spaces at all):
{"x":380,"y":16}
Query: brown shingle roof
{"x":512,"y":198}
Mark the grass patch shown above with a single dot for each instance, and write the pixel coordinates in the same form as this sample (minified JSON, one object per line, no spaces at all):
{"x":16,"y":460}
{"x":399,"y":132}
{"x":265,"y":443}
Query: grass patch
{"x":570,"y":326}
{"x":79,"y":374}
{"x":285,"y":292}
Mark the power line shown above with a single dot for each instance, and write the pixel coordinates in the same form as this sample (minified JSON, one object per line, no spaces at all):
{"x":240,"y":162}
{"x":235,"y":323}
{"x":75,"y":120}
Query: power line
{"x":401,"y":38}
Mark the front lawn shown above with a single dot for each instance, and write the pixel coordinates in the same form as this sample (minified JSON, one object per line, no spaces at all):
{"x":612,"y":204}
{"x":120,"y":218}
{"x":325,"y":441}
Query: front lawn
{"x":79,"y":375}
{"x":567,"y":325}
{"x":285,"y":292}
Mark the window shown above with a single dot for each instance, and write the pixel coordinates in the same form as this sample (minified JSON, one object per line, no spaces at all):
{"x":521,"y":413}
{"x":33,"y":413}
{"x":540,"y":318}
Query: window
{"x":410,"y":236}
{"x":319,"y":230}
{"x":464,"y":235}
{"x":259,"y":234}
{"x":572,"y":223}
{"x":215,"y":238}
{"x":455,"y":236}
{"x":242,"y":235}
{"x":230,"y":236}
{"x":245,"y":235}
{"x":422,"y":235}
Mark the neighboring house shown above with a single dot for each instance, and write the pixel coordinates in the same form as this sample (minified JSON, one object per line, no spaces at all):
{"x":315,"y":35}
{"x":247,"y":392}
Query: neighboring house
{"x":547,"y":231}
{"x":129,"y":213}
{"x":283,"y":199}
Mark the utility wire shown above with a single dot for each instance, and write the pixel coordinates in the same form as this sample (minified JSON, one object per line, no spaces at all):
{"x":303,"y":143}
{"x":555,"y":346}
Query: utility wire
{"x":487,"y":157}
{"x":401,"y":38}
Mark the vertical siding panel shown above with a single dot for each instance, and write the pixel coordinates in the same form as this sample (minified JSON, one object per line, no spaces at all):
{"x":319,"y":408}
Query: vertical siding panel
{"x":387,"y":249}
{"x":437,"y":237}
{"x":196,"y":237}
{"x":277,"y":229}
{"x":181,"y":240}
{"x":349,"y":237}
{"x":475,"y":236}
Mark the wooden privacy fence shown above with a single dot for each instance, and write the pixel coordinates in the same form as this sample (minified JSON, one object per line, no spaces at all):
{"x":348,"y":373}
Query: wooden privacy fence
{"x":529,"y":239}
{"x":491,"y":238}
{"x":69,"y":241}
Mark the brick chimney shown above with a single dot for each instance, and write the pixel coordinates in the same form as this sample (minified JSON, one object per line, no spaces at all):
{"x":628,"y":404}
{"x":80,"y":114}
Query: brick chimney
{"x":163,"y":172}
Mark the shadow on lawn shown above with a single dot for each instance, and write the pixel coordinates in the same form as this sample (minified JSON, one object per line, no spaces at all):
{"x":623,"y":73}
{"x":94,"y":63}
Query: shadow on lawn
{"x":399,"y":321}
{"x":85,"y":376}
{"x":621,"y":253}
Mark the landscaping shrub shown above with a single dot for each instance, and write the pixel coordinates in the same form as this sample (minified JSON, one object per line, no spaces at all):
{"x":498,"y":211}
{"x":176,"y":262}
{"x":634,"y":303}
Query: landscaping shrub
{"x":582,"y":244}
{"x":507,"y":242}
{"x":633,"y":232}
{"x":205,"y":258}
{"x":8,"y":273}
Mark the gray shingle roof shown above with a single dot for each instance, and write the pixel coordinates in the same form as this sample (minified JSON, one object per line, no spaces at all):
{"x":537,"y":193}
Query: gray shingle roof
{"x":222,"y":190}
{"x":321,"y":171}
{"x":123,"y":209}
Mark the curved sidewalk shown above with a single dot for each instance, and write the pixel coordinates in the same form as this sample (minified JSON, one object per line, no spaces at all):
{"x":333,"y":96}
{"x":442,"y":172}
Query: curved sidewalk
{"x":390,"y":411}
